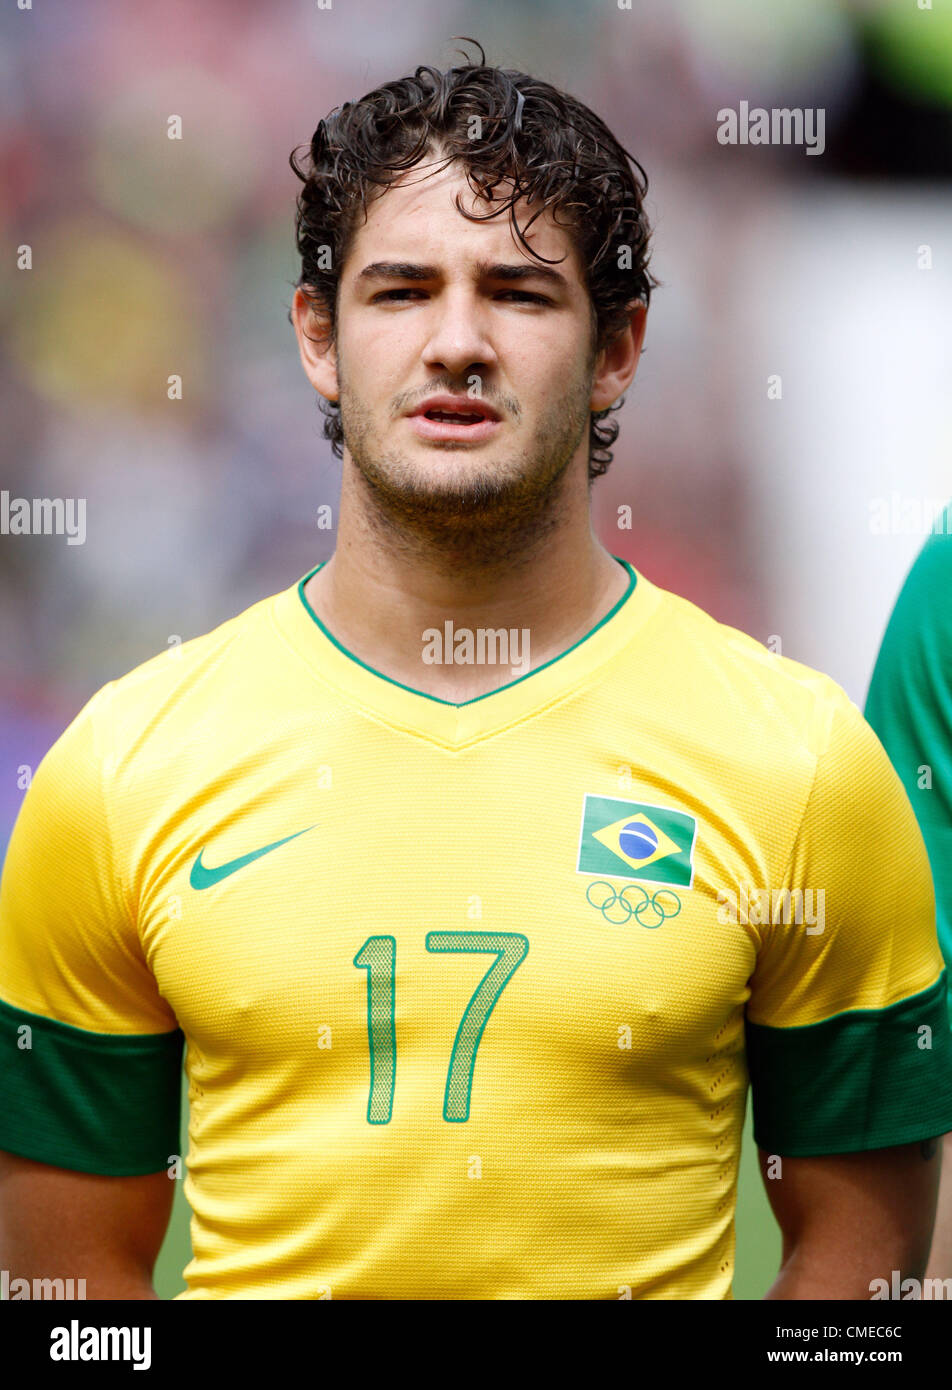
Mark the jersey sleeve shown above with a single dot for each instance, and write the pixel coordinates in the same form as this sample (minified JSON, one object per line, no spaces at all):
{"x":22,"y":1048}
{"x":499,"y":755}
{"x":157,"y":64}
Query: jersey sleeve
{"x":90,"y":1053}
{"x":848,"y":1043}
{"x":910,"y":707}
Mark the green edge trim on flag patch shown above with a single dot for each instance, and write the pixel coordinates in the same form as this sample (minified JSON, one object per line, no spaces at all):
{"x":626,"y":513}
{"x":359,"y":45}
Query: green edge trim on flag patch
{"x":637,"y":840}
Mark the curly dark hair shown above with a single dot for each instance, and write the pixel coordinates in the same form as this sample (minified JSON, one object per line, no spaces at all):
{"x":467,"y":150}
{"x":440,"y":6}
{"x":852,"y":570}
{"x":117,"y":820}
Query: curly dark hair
{"x":552,"y":148}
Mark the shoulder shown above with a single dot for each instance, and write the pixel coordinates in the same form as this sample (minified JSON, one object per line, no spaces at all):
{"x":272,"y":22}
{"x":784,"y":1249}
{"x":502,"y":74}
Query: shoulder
{"x":185,"y":675}
{"x":745,"y":690}
{"x":916,"y":651}
{"x":931,"y":574}
{"x":153,"y":704}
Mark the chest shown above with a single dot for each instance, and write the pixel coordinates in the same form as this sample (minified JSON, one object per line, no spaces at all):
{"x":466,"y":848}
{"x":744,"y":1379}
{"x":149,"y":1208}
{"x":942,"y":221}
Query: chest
{"x":415,"y":912}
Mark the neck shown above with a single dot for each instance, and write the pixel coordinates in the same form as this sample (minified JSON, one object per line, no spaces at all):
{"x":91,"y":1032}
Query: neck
{"x":387,"y":586}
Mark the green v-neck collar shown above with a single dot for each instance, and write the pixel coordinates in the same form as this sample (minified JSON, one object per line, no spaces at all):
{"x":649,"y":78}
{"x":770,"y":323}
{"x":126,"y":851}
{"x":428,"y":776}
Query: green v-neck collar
{"x":446,"y":721}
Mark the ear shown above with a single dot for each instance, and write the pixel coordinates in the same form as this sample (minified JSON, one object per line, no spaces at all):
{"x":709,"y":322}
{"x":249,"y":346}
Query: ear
{"x":616,"y":363}
{"x":318,"y":357}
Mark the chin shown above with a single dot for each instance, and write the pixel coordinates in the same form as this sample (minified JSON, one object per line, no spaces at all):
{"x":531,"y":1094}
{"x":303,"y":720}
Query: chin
{"x":450,"y":474}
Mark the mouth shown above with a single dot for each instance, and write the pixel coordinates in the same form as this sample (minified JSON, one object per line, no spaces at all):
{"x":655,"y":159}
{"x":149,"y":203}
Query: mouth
{"x":445,"y":422}
{"x":460,"y":417}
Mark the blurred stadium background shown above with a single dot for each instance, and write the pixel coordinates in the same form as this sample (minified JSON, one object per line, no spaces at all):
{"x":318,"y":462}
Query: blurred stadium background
{"x":153,"y":257}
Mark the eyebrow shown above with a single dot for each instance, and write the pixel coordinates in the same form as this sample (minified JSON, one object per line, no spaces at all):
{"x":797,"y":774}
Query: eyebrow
{"x":410,"y":270}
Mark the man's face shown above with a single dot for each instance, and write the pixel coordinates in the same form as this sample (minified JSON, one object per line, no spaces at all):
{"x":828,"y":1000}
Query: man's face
{"x":433,"y":304}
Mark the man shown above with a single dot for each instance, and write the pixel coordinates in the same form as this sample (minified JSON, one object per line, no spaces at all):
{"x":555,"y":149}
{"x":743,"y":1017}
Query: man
{"x":910,"y":707}
{"x":477,"y":872}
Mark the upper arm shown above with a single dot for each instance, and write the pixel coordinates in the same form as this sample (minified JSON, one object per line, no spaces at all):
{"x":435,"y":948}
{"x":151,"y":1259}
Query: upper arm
{"x":848,"y":1044}
{"x":59,"y":1224}
{"x":848,"y":1219}
{"x":90,"y":1052}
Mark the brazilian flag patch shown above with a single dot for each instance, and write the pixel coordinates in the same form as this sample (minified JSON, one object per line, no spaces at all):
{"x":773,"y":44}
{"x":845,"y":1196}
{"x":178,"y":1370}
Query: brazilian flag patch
{"x":632,"y":839}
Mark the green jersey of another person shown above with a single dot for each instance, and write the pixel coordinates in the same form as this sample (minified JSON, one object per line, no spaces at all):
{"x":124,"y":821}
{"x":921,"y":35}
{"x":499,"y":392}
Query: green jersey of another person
{"x":910,"y":706}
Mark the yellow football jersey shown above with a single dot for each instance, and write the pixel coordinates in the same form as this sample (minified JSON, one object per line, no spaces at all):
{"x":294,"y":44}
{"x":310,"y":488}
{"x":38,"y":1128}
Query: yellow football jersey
{"x":470,"y":994}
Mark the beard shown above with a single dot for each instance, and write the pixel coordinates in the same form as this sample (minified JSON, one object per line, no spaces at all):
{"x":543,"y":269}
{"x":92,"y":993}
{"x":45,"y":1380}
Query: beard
{"x":465,"y":503}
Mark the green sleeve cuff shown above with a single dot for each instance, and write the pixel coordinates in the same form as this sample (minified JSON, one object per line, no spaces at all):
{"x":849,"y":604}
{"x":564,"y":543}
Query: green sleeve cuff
{"x":863,"y":1079}
{"x":96,"y":1102}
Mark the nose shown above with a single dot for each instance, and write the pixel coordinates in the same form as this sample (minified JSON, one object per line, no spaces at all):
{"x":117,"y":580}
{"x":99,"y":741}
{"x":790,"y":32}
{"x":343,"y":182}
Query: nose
{"x":459,"y":338}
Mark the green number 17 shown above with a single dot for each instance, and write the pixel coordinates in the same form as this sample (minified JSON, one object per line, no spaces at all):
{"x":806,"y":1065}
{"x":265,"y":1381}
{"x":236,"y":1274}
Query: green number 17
{"x":378,"y":956}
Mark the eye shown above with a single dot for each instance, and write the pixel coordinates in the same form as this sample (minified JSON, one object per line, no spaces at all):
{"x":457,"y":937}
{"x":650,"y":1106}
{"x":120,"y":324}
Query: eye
{"x":394,"y":296}
{"x":525,"y":297}
{"x":408,"y":294}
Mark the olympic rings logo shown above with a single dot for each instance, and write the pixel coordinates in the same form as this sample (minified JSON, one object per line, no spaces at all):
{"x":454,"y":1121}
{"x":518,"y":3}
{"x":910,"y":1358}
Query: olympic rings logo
{"x":649,"y":911}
